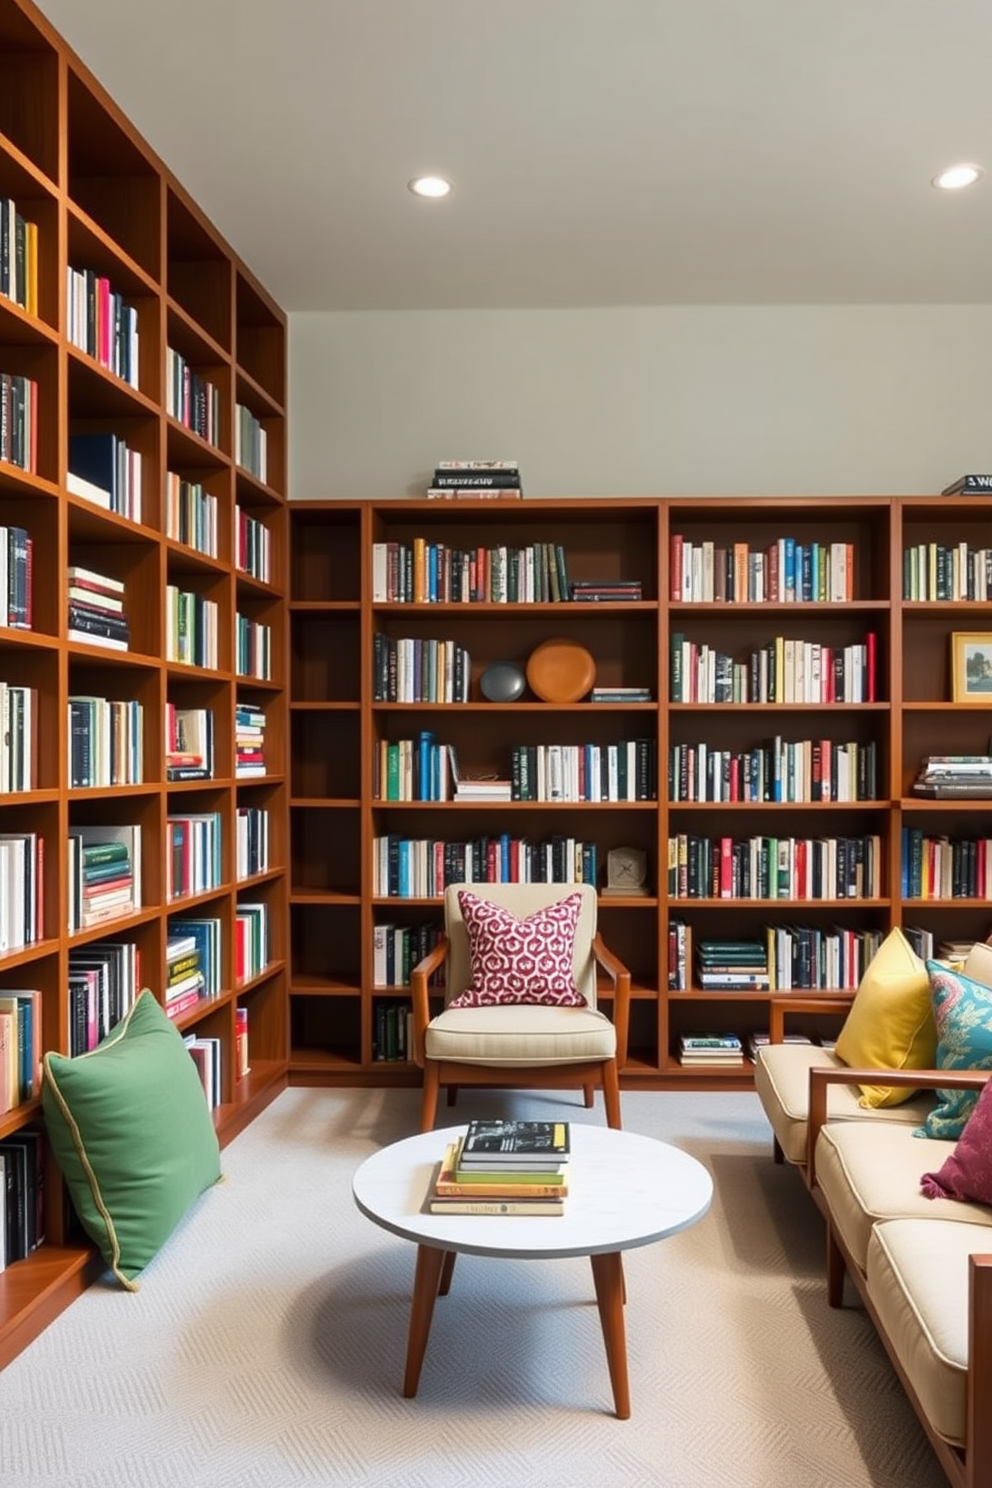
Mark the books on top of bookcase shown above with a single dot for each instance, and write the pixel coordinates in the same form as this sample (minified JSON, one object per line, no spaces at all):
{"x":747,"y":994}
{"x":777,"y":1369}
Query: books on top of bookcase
{"x":475,"y":479}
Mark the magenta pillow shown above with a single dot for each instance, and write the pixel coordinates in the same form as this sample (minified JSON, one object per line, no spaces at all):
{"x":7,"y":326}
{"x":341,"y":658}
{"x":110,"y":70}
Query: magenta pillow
{"x":967,"y":1172}
{"x":520,"y":960}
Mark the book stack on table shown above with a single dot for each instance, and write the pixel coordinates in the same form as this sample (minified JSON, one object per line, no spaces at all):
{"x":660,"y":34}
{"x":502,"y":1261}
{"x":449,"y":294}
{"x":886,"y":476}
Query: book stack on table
{"x":504,"y":1167}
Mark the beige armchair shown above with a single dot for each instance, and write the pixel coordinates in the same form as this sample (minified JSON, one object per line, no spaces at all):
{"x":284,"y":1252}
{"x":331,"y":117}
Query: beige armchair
{"x":521,"y":1045}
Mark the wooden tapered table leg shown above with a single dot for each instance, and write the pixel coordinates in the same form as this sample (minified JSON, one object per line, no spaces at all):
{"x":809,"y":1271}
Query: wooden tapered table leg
{"x":426,"y":1281}
{"x":607,"y":1272}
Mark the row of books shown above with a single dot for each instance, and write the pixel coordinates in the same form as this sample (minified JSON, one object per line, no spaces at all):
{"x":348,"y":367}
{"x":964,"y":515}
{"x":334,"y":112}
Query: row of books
{"x":516,"y":1168}
{"x":18,"y":737}
{"x":105,"y":740}
{"x":392,"y":1030}
{"x":190,"y":514}
{"x":421,"y":868}
{"x":16,"y":578}
{"x":199,"y":938}
{"x":937,"y":571}
{"x":191,"y":399}
{"x":103,"y":984}
{"x":416,"y":670}
{"x":782,"y":958}
{"x":777,"y":769}
{"x":104,"y":469}
{"x":396,"y":950}
{"x":193,"y":862}
{"x":192,"y":627}
{"x":787,"y":670}
{"x":252,"y":546}
{"x":101,"y":323}
{"x":421,"y":769}
{"x":20,"y":1046}
{"x":207,"y":1054}
{"x":764,"y":867}
{"x":22,"y":889}
{"x":252,"y":648}
{"x":189,"y":743}
{"x":22,"y":1195}
{"x":939,"y":867}
{"x":784,"y":572}
{"x":251,"y":941}
{"x":423,"y":572}
{"x":251,"y":841}
{"x":251,"y":443}
{"x":19,"y":420}
{"x":18,"y":257}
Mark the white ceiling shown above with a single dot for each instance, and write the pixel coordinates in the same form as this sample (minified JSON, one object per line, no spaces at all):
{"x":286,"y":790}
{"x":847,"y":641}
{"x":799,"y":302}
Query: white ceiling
{"x":604,"y":152}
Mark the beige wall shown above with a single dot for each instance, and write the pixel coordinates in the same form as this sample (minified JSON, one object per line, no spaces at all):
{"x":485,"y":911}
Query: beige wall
{"x":734,"y":400}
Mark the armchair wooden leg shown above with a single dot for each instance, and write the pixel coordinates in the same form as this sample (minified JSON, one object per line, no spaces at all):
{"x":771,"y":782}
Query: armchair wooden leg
{"x":611,"y":1095}
{"x":428,"y":1099}
{"x":452,"y":1094}
{"x":590,"y":1095}
{"x":835,"y":1271}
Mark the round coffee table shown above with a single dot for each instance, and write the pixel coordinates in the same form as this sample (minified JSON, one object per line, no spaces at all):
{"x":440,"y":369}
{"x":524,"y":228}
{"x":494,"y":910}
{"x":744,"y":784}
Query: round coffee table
{"x":625,"y":1190}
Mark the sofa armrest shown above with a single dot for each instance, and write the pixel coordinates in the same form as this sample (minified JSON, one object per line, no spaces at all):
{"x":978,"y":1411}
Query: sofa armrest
{"x":781,"y":1004}
{"x":920,"y":1079}
{"x":419,"y":978}
{"x":620,"y":978}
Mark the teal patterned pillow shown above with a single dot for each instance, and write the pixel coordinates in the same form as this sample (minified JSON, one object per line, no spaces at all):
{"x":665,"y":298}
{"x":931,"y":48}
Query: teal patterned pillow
{"x":962,"y":1011}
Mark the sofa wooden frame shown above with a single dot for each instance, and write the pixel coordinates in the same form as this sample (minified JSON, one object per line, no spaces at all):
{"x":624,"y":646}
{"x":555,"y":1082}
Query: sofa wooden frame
{"x":969,"y":1466}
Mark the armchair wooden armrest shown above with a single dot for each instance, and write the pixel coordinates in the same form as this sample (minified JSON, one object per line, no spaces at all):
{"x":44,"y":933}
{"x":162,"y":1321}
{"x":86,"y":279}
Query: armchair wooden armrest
{"x":919,"y":1079}
{"x":419,"y":978}
{"x":780,"y":1004}
{"x":620,"y":978}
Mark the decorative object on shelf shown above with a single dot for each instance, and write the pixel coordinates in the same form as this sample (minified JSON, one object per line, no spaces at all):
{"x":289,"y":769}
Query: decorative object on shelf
{"x":502,"y":682}
{"x":626,"y":872}
{"x":969,"y":485}
{"x":560,"y":671}
{"x":971,"y":667}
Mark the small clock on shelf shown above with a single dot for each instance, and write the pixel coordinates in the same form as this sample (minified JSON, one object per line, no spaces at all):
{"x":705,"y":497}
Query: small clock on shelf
{"x":626,"y":872}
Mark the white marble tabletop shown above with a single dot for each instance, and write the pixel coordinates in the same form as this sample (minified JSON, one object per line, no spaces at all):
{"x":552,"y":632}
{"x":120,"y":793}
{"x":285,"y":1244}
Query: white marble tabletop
{"x":624,"y":1190}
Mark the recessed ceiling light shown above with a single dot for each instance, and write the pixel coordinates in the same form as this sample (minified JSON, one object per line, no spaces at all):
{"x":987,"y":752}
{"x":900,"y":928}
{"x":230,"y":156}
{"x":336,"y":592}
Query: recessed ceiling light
{"x":433,"y":186}
{"x":956,"y":176}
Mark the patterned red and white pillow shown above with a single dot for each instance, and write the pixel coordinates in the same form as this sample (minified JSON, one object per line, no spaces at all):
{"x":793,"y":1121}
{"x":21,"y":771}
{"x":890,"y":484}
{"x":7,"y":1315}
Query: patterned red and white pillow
{"x":520,"y":960}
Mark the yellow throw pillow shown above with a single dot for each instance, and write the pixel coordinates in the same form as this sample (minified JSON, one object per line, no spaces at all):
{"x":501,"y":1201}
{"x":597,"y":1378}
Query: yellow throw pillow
{"x":890,"y":1024}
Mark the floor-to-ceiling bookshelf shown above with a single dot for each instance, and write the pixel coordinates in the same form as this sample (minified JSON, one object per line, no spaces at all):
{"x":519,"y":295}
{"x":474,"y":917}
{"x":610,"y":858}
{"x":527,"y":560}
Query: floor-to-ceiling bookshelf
{"x":891,"y":707}
{"x":160,"y":289}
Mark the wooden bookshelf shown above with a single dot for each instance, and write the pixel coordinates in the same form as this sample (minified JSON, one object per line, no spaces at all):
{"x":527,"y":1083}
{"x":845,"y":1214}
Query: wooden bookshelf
{"x":337,"y":725}
{"x":102,"y":203}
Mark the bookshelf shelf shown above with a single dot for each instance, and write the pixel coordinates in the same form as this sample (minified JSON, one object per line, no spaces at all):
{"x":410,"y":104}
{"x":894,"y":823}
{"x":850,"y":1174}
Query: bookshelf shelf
{"x":338,"y":723}
{"x":100,"y":202}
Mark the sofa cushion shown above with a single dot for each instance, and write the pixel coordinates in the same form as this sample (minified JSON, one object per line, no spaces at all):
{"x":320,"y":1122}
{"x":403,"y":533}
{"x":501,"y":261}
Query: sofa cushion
{"x":890,"y":1024}
{"x":963,"y":1014}
{"x":781,"y":1079}
{"x":513,"y":960}
{"x":917,"y":1273}
{"x":521,"y":1035}
{"x":870,"y":1171}
{"x":130,"y":1130}
{"x":966,"y":1173}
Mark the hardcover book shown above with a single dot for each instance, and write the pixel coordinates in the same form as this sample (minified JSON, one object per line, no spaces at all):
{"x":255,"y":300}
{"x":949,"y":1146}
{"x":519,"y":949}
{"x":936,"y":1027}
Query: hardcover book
{"x":507,"y":1143}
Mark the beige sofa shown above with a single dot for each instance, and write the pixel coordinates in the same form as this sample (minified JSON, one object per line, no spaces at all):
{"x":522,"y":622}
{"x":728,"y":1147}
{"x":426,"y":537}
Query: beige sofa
{"x":921,"y":1267}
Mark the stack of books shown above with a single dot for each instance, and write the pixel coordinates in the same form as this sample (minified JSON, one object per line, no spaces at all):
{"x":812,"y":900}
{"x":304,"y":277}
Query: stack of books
{"x":722,"y":1049}
{"x":96,"y":609}
{"x":458,"y":480}
{"x":733,"y":966}
{"x":955,"y":777}
{"x":504,"y":1167}
{"x":586,"y":591}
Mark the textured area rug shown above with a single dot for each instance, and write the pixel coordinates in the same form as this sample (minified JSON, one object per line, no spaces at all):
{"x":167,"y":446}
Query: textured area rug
{"x":265,"y":1347}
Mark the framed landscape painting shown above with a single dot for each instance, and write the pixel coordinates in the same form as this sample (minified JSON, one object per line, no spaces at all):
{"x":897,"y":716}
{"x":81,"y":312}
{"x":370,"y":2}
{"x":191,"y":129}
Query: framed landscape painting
{"x":971,"y":667}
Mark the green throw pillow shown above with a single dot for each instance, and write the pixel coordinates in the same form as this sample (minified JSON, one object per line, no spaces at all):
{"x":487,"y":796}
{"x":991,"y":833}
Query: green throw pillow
{"x":129,"y":1127}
